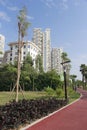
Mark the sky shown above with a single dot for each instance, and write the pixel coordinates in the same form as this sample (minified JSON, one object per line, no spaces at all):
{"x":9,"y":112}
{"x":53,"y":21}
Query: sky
{"x":67,"y":20}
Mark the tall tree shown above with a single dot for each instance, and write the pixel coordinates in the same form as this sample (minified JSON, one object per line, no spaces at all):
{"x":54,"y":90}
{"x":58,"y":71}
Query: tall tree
{"x":83,"y":69}
{"x":22,"y":31}
{"x":66,"y":65}
{"x":73,"y":77}
{"x":64,"y":57}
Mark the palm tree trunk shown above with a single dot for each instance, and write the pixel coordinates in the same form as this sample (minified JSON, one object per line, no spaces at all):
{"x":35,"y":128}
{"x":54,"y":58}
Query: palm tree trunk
{"x":18,"y":66}
{"x":18,"y":74}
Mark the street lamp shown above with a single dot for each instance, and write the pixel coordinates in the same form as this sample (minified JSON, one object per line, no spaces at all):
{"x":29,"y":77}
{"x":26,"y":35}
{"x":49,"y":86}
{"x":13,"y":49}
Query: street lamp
{"x":64,"y":72}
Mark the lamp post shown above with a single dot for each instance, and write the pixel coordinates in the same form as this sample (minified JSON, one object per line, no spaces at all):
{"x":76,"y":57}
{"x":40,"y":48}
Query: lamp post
{"x":65,"y":82}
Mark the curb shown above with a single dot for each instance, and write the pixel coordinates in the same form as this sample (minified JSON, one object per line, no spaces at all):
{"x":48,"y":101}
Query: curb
{"x":37,"y":121}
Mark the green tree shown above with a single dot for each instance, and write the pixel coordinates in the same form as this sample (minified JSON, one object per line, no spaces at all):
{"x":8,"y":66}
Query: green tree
{"x":66,"y":65}
{"x":8,"y":74}
{"x":73,"y":77}
{"x":39,"y":63}
{"x":26,"y":72}
{"x":82,"y":70}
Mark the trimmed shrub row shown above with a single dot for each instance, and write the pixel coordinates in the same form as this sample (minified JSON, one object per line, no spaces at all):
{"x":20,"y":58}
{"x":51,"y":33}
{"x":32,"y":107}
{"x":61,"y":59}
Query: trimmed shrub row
{"x":15,"y":114}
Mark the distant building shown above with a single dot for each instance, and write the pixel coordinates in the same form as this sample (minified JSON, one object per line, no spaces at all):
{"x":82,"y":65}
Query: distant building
{"x":56,"y":60}
{"x":6,"y":57}
{"x":43,"y":41}
{"x":47,"y":50}
{"x":2,"y":42}
{"x":38,"y":38}
{"x":28,"y":48}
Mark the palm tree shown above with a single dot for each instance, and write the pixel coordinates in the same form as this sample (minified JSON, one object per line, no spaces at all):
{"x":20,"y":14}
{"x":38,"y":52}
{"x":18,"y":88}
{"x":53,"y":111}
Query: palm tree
{"x":82,"y":69}
{"x":73,"y":77}
{"x":67,"y":65}
{"x":22,"y":28}
{"x":66,"y":69}
{"x":64,"y":57}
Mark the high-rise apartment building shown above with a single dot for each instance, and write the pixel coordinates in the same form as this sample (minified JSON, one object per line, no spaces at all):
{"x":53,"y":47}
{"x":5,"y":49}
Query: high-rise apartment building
{"x":2,"y":42}
{"x":38,"y":38}
{"x":56,"y":60}
{"x":47,"y":50}
{"x":43,"y":41}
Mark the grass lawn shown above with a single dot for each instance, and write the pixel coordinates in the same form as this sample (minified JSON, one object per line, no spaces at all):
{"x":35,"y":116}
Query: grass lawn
{"x":5,"y":97}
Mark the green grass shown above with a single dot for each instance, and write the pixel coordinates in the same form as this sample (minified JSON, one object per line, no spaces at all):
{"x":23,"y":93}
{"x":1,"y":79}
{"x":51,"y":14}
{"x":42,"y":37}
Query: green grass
{"x":72,"y":95}
{"x":5,"y":97}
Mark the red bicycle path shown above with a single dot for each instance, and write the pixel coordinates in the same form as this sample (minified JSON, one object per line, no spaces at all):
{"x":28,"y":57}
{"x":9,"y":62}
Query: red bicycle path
{"x":72,"y":117}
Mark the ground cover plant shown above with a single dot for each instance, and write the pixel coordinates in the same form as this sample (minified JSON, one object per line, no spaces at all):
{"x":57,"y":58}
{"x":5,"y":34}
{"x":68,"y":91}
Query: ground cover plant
{"x":37,"y":105}
{"x":15,"y":114}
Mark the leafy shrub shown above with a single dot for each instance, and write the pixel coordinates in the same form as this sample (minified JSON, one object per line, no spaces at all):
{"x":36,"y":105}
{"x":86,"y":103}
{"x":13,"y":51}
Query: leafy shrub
{"x":59,"y":93}
{"x":14,"y":114}
{"x":72,"y":94}
{"x":49,"y":91}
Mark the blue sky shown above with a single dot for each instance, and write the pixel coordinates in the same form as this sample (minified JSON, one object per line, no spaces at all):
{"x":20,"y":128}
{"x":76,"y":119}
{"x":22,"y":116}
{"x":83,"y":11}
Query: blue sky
{"x":67,"y":20}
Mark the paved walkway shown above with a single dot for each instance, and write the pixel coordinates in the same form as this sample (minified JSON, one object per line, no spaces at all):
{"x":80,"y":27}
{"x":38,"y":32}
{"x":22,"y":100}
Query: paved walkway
{"x":73,"y":117}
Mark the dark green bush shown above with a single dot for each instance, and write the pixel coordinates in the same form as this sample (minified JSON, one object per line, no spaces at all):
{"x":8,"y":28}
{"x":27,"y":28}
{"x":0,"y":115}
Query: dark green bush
{"x":14,"y":114}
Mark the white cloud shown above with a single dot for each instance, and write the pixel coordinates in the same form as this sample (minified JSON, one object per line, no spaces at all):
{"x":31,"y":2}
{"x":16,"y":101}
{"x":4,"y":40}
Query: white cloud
{"x":4,"y":16}
{"x":64,"y":4}
{"x":6,"y":4}
{"x":14,"y":8}
{"x":77,"y":2}
{"x":49,"y":3}
{"x":30,"y":17}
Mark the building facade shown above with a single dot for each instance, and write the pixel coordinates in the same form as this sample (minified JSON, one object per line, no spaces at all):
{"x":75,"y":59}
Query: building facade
{"x":47,"y":51}
{"x":28,"y":48}
{"x":2,"y":43}
{"x":43,"y":41}
{"x":56,"y":60}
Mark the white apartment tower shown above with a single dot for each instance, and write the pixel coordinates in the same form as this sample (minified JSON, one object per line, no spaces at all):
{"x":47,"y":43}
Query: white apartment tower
{"x":38,"y":39}
{"x":2,"y":42}
{"x":56,"y":60}
{"x":43,"y":41}
{"x":47,"y":50}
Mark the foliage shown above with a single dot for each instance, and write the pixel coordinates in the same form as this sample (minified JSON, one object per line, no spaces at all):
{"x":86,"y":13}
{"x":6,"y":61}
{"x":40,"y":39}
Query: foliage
{"x":22,"y":21}
{"x":24,"y":111}
{"x":59,"y":92}
{"x":49,"y":91}
{"x":83,"y":69}
{"x":8,"y":74}
{"x":39,"y":64}
{"x":72,"y":94}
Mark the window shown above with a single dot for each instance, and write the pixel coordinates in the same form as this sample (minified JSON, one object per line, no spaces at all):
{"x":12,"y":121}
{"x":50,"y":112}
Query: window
{"x":11,"y":48}
{"x":10,"y":59}
{"x":11,"y":54}
{"x":28,"y":46}
{"x":24,"y":52}
{"x":24,"y":57}
{"x":24,"y":46}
